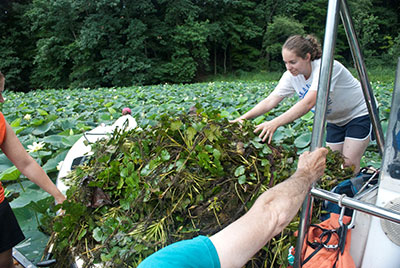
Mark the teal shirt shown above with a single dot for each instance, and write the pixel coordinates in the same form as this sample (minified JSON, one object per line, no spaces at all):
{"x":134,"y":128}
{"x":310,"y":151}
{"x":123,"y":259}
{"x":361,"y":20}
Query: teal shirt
{"x":198,"y":252}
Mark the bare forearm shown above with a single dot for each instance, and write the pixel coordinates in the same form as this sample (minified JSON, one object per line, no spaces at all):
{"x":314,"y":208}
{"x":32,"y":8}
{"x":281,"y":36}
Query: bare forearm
{"x":295,"y":112}
{"x":262,"y":107}
{"x":38,"y":176}
{"x":285,"y":199}
{"x":14,"y":151}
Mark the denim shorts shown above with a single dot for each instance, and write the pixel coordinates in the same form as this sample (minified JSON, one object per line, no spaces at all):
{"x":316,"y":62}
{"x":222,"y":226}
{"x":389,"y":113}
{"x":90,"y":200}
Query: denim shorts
{"x":358,"y":128}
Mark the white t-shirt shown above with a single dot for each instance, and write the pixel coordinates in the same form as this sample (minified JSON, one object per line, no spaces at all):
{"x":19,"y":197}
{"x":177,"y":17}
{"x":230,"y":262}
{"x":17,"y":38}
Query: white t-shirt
{"x":346,"y":100}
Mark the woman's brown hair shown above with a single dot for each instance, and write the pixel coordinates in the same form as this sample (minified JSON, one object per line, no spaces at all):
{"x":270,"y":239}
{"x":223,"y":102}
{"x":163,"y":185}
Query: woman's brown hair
{"x":301,"y":45}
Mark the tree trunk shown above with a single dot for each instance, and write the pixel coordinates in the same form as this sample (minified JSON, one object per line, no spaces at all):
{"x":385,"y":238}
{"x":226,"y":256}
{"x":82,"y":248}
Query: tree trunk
{"x":215,"y":59}
{"x":225,"y":60}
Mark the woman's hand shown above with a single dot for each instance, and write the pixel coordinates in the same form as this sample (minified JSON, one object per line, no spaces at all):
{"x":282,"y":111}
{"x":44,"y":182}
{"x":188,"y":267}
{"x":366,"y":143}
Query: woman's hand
{"x":267,"y":129}
{"x":60,"y":198}
{"x":238,"y":120}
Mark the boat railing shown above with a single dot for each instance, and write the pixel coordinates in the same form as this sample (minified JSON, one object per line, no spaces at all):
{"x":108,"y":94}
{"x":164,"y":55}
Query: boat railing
{"x":336,"y":7}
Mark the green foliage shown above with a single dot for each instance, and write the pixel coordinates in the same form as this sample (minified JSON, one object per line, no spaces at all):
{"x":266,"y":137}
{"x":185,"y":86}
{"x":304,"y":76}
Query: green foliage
{"x":277,"y":33}
{"x":394,"y":50}
{"x":75,"y":44}
{"x":185,"y":176}
{"x":190,"y":48}
{"x":366,"y":25}
{"x":17,"y":51}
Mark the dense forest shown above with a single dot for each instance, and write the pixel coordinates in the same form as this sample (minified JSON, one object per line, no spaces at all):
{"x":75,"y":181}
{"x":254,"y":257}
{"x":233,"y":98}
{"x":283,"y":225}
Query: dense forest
{"x":103,"y":43}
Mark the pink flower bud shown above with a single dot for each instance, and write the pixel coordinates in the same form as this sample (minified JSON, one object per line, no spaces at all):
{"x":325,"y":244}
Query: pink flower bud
{"x":126,"y":110}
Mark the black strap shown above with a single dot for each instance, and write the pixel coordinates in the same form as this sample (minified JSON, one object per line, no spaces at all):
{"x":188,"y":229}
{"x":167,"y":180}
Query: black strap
{"x":317,"y":246}
{"x":320,"y":246}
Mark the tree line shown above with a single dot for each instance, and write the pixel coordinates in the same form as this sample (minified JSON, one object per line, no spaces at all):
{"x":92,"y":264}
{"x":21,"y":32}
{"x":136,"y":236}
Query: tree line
{"x":104,"y":43}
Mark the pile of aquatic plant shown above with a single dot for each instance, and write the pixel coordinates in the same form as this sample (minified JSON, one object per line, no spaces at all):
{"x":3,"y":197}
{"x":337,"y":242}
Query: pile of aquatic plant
{"x":187,"y":175}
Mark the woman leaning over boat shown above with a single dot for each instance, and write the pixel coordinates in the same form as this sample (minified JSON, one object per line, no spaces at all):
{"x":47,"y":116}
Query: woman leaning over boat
{"x":349,"y":127}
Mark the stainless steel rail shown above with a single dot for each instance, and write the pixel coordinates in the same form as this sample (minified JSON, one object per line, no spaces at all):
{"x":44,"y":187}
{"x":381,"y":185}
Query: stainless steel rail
{"x":364,"y":80}
{"x":319,"y":117}
{"x":358,"y":205}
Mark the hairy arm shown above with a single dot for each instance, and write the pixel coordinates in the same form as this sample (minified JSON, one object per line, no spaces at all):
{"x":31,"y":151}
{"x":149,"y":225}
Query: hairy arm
{"x":270,"y":214}
{"x":14,"y":151}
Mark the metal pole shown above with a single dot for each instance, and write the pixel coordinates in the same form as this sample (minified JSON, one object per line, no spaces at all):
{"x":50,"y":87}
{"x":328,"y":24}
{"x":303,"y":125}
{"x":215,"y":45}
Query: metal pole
{"x":352,"y":203}
{"x":320,"y":116}
{"x":361,"y":69}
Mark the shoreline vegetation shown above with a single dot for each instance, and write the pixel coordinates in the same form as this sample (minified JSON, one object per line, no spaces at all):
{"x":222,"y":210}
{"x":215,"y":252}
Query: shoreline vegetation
{"x":385,"y":74}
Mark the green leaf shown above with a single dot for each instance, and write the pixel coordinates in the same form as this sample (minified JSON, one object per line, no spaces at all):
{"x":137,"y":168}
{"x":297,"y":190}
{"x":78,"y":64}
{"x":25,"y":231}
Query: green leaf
{"x":42,"y":129}
{"x":41,"y":205}
{"x":51,"y":164}
{"x":176,"y":125}
{"x":308,"y":116}
{"x":17,"y":130}
{"x":104,"y":117}
{"x":68,"y":124}
{"x":243,"y":99}
{"x":239,"y":171}
{"x":216,"y":154}
{"x":198,"y":126}
{"x":10,"y":174}
{"x":82,"y":234}
{"x":303,"y":140}
{"x":5,"y":163}
{"x":225,"y":114}
{"x":124,"y":172}
{"x":42,"y":112}
{"x":70,"y":140}
{"x":31,"y":192}
{"x":98,"y":234}
{"x":209,"y":134}
{"x":165,"y":156}
{"x":36,"y":240}
{"x":266,"y":149}
{"x":190,"y":133}
{"x":55,"y":140}
{"x":256,"y":144}
{"x":259,"y":120}
{"x":16,"y":123}
{"x":37,"y":122}
{"x":121,"y":179}
{"x":242,"y":179}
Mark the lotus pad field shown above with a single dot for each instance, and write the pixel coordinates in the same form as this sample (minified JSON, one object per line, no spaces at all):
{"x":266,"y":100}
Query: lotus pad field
{"x":48,"y":122}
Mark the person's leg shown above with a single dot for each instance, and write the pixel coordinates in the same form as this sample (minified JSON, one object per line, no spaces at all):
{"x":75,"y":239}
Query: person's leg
{"x":353,"y":150}
{"x":358,"y":136}
{"x":10,"y":234}
{"x":6,"y":260}
{"x":335,"y":146}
